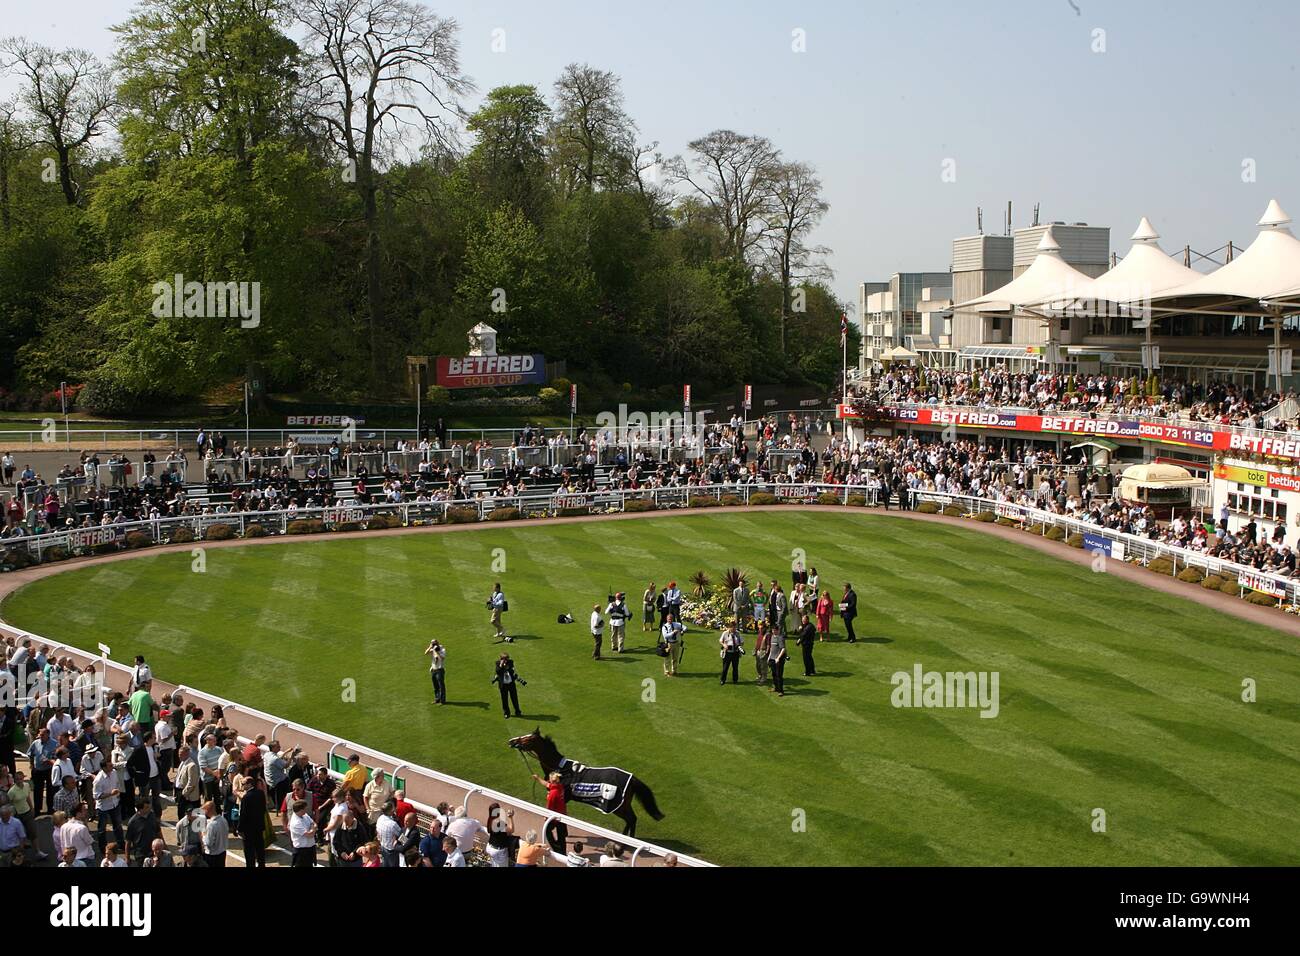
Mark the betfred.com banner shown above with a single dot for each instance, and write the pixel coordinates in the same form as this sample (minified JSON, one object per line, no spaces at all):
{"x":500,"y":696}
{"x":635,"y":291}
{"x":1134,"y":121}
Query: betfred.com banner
{"x":1203,"y":437}
{"x":490,"y":371}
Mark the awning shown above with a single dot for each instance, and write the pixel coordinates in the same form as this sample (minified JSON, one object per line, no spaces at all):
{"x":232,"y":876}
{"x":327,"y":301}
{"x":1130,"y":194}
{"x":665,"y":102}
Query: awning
{"x":1048,"y":279}
{"x":1269,"y":268}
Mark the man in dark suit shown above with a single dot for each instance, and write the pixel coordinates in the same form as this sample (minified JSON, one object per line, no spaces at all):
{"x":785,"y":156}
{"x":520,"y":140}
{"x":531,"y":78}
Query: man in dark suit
{"x":806,"y":639}
{"x":849,"y":611}
{"x":252,"y":823}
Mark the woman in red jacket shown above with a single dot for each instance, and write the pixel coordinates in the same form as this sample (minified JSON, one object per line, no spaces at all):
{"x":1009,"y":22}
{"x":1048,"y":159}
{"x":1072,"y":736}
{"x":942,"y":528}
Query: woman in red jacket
{"x":824,"y":607}
{"x":557,"y":834}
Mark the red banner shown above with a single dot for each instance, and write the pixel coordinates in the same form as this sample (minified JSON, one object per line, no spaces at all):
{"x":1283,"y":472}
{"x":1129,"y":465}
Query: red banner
{"x":1206,"y":437}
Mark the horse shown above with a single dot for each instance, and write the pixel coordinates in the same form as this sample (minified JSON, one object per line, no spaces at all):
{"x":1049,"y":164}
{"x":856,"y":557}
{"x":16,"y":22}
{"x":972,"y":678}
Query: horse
{"x":609,"y":789}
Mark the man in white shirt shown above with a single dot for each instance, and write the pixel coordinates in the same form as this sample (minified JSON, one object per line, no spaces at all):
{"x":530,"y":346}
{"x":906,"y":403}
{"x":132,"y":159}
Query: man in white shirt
{"x":597,"y":630}
{"x":451,"y":847}
{"x":573,"y":858}
{"x":302,"y":835}
{"x":142,"y":675}
{"x":61,"y":723}
{"x":465,"y":829}
{"x":76,"y":836}
{"x":108,"y":804}
{"x":165,"y":737}
{"x":216,"y":833}
{"x":388,"y":831}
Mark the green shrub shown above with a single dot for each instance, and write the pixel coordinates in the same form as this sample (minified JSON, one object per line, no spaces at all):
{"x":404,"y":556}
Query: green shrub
{"x":17,"y":559}
{"x":218,"y":532}
{"x":110,"y":548}
{"x":348,"y":526}
{"x":705,"y":501}
{"x":462,"y":515}
{"x":1230,"y":586}
{"x":1191,"y":576}
{"x":108,"y":394}
{"x":954,"y":511}
{"x":504,"y":514}
{"x":182,"y":536}
{"x":987,"y":517}
{"x":1055,"y":534}
{"x":637,"y":505}
{"x":1075,"y":541}
{"x":1212,"y":582}
{"x":1007,"y":523}
{"x":731,"y":501}
{"x":306,"y":526}
{"x":1161,"y":566}
{"x":438,"y":396}
{"x":828,"y":499}
{"x":574,"y":512}
{"x":1263,"y":600}
{"x":135,"y":540}
{"x":56,"y":553}
{"x":764,"y":498}
{"x":256,"y":531}
{"x":857,"y":501}
{"x":380,"y":522}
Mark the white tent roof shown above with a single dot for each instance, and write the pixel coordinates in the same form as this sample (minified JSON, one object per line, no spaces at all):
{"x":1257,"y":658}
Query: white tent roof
{"x":1142,"y":274}
{"x":1048,"y":279}
{"x":1269,"y":268}
{"x":900,"y":354}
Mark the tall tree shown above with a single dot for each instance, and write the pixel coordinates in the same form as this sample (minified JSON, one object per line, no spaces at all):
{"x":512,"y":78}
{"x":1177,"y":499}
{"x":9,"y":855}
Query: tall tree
{"x":797,"y":208}
{"x":381,"y":69}
{"x":508,"y":161}
{"x":13,"y":141}
{"x":592,"y":133}
{"x":69,"y":96}
{"x":733,"y":174}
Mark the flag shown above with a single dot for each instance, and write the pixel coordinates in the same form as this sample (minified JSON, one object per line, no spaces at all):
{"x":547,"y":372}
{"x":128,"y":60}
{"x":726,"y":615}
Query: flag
{"x":844,"y":329}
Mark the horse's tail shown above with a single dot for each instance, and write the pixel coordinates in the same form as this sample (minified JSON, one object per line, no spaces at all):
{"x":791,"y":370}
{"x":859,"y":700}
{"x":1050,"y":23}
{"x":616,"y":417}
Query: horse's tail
{"x":647,"y":798}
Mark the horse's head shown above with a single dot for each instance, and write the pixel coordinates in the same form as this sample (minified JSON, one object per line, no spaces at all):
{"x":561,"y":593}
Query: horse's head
{"x":528,"y":742}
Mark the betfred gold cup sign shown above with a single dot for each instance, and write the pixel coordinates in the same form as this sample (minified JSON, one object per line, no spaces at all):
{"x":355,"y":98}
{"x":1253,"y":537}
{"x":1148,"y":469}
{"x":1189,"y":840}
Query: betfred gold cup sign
{"x":491,"y":371}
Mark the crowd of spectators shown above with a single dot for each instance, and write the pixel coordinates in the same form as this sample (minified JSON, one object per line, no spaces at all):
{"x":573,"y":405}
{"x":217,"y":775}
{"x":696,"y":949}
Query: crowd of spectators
{"x":1215,"y":402}
{"x":114,"y":779}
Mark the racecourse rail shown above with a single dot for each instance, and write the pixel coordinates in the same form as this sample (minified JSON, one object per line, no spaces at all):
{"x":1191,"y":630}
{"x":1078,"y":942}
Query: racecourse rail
{"x":425,"y":788}
{"x":350,"y":516}
{"x":1120,"y":545}
{"x":110,"y":537}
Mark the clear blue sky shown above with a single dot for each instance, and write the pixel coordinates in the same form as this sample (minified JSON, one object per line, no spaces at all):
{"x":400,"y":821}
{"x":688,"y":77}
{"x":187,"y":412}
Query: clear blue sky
{"x":1157,"y":125}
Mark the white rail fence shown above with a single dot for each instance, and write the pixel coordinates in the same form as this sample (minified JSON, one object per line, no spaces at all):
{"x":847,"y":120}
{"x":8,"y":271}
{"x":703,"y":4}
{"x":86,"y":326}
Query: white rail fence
{"x":425,"y":788}
{"x":100,"y":539}
{"x":1131,"y":546}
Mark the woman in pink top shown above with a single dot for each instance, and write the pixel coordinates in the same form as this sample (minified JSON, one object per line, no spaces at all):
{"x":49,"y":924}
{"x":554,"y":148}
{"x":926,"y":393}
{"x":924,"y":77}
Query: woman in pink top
{"x":824,"y":607}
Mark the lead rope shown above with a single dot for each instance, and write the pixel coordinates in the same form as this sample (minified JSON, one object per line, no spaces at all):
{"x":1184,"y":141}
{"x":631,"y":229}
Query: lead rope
{"x":528,"y":767}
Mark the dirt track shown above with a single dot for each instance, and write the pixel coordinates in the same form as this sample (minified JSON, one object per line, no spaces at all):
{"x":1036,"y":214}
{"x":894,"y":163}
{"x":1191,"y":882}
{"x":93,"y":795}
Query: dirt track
{"x":1267,"y":617}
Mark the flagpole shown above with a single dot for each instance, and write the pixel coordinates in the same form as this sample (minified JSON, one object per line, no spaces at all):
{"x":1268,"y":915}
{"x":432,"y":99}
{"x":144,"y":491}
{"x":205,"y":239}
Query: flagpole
{"x":844,"y":369}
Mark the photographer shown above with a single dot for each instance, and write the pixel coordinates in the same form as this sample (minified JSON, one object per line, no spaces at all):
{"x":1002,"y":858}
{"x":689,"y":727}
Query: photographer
{"x":497,"y":604}
{"x":597,"y":630}
{"x":732,"y":643}
{"x":438,"y":670}
{"x":507,"y":682}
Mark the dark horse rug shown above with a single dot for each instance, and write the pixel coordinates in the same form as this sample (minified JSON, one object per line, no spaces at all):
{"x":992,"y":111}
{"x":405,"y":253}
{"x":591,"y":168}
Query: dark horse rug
{"x":604,"y":788}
